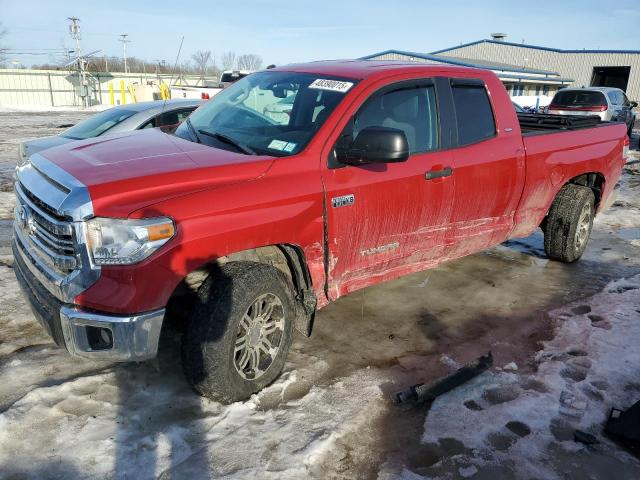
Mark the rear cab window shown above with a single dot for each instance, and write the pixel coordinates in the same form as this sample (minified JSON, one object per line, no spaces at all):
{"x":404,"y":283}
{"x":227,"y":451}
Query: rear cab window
{"x":474,"y":116}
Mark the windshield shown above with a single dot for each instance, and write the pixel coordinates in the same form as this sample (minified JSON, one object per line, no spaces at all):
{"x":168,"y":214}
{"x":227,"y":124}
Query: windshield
{"x":97,"y":124}
{"x":271,"y":113}
{"x":579,"y":98}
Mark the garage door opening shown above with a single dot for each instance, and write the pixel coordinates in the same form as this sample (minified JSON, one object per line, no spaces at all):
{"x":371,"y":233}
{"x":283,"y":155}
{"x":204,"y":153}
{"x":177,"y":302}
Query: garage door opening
{"x":617,"y":77}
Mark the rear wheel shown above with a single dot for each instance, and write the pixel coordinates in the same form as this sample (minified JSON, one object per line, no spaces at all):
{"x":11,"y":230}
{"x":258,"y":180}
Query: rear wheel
{"x":240,"y":331}
{"x":568,"y":225}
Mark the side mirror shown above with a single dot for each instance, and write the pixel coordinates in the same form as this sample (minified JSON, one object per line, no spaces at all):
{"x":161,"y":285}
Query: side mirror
{"x":375,"y":145}
{"x":634,"y":104}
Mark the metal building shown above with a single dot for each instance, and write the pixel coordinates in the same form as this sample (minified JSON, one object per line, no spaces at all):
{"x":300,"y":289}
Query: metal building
{"x":533,"y":70}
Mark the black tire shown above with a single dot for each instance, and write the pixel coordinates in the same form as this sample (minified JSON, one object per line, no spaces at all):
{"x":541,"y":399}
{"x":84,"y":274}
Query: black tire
{"x":566,"y":232}
{"x":209,"y":356}
{"x":630,"y":128}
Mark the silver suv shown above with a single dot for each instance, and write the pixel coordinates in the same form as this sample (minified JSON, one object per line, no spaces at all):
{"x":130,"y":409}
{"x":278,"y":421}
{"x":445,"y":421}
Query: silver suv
{"x":610,"y":104}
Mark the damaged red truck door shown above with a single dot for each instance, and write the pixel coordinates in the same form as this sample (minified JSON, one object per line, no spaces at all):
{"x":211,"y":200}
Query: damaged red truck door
{"x":249,"y":218}
{"x":489,"y":167}
{"x":385,"y":218}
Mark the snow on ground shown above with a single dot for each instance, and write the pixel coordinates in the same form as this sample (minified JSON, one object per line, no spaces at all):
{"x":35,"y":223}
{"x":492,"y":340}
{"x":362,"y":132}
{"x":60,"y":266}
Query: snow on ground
{"x":80,"y":426}
{"x":96,"y":423}
{"x":521,"y":426}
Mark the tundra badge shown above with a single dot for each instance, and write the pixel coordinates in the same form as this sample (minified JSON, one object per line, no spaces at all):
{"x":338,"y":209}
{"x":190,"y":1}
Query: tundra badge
{"x":343,"y":201}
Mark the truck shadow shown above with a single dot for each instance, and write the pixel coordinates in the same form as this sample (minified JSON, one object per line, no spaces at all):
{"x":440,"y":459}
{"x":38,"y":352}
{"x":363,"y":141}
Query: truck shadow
{"x":162,"y":421}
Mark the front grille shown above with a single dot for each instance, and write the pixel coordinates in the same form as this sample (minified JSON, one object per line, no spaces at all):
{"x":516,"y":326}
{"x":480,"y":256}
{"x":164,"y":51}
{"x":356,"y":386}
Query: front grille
{"x":44,"y":305}
{"x":49,"y":234}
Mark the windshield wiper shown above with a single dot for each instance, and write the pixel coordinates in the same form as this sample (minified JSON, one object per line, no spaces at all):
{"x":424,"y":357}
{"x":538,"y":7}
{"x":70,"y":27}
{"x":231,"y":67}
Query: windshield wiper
{"x":193,"y":130}
{"x":229,"y":141}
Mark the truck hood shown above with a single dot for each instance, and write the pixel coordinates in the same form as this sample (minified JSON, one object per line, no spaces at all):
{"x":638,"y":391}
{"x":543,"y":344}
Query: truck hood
{"x":133,"y":170}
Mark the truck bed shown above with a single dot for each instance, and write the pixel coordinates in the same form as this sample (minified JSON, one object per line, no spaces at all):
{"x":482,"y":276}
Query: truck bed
{"x":536,"y":123}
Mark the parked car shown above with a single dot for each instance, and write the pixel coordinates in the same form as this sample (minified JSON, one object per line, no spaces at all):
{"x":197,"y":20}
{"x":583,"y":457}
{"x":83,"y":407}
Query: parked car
{"x":207,"y":92}
{"x":123,"y":118}
{"x":241,"y":227}
{"x":229,"y":77}
{"x":610,"y":104}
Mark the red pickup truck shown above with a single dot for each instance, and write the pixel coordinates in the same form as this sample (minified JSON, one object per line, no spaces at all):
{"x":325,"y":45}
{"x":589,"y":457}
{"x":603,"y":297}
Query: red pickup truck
{"x":288,"y":189}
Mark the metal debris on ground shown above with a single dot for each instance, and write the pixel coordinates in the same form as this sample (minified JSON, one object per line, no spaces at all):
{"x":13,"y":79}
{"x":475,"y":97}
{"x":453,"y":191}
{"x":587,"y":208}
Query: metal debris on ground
{"x":422,"y":393}
{"x":584,"y":437}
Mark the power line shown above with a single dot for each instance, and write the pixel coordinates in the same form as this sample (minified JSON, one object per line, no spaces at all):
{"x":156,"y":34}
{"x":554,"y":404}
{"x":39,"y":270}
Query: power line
{"x":36,"y":49}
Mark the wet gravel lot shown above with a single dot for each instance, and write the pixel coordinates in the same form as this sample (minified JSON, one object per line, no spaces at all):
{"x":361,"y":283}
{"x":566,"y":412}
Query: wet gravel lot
{"x":329,"y":415}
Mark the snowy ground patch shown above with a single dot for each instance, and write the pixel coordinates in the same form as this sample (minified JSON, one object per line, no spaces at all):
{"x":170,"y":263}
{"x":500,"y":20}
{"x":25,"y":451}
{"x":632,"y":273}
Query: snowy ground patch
{"x":98,"y":425}
{"x":522,"y":426}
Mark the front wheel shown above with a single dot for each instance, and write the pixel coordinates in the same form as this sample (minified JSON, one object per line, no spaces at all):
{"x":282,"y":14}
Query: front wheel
{"x":568,"y":225}
{"x":240,"y":331}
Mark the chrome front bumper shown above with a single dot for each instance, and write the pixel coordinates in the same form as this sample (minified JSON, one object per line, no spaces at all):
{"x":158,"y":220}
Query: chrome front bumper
{"x":129,"y":338}
{"x":94,"y":335}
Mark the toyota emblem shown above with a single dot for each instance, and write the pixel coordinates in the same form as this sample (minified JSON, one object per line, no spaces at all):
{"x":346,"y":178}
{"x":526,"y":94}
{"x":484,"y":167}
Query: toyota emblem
{"x":26,"y":220}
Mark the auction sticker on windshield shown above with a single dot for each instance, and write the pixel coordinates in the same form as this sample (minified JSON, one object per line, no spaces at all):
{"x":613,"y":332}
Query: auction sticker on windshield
{"x":332,"y":85}
{"x":282,"y":146}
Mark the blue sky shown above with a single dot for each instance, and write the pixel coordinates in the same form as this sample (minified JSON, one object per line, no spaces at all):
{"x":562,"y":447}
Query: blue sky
{"x":285,"y":31}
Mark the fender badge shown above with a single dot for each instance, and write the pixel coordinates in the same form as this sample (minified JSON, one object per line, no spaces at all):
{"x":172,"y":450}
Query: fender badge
{"x":343,"y":201}
{"x":380,"y":249}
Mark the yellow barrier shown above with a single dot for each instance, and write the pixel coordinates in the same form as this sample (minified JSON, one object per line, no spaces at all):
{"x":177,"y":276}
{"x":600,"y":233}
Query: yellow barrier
{"x":112,"y":99}
{"x":123,"y":97}
{"x":132,"y":92}
{"x":165,"y":93}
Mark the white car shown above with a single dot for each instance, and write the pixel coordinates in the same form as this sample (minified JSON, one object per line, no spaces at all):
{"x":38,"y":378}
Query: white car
{"x":610,"y":104}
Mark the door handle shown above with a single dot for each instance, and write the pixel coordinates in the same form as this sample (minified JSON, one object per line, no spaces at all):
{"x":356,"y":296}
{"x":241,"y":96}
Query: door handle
{"x":433,"y":174}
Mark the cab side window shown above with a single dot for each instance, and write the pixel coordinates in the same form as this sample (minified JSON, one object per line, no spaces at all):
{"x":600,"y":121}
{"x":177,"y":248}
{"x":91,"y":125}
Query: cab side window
{"x":474,"y":116}
{"x":412,"y":110}
{"x":168,"y":119}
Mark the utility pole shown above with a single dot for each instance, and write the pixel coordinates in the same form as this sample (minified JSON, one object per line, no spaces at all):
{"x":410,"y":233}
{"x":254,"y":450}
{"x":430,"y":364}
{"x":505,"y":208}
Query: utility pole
{"x":74,"y":31}
{"x":123,"y":39}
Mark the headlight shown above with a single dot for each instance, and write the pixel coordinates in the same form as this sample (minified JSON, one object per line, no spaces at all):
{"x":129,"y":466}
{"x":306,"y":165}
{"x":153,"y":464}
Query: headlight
{"x":23,"y":158}
{"x":114,"y":241}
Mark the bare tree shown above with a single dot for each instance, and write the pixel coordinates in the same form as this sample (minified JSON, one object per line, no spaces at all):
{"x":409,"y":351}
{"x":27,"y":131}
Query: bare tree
{"x":201,"y":60}
{"x":228,"y":60}
{"x":3,"y":48}
{"x":249,"y":61}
